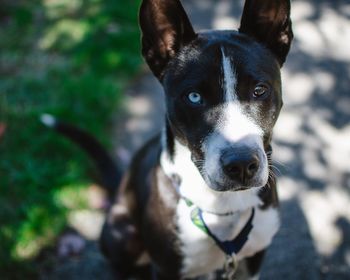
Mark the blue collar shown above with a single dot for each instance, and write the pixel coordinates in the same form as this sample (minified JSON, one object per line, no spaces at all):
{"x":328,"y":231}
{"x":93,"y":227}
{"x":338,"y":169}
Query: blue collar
{"x":230,"y":247}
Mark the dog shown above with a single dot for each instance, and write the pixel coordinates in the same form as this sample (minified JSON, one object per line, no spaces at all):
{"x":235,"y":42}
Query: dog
{"x":199,"y":199}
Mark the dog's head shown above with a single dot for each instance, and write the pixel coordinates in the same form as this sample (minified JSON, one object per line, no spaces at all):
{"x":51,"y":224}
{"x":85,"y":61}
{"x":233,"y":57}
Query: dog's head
{"x":223,"y":88}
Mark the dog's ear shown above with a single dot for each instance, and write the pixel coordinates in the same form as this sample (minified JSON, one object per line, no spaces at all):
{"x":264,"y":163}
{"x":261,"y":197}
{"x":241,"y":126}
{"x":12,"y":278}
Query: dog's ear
{"x":268,"y":21}
{"x":165,"y":30}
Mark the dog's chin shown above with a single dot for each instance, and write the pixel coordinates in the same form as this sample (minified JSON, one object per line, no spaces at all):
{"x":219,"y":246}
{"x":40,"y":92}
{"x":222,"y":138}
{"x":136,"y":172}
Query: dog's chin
{"x":231,"y":186}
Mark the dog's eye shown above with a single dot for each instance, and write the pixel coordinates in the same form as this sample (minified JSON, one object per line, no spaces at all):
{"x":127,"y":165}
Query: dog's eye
{"x":195,"y":98}
{"x":260,"y":90}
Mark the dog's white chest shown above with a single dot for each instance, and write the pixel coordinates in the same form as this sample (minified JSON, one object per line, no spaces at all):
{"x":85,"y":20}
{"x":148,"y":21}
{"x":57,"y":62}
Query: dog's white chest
{"x":202,"y":256}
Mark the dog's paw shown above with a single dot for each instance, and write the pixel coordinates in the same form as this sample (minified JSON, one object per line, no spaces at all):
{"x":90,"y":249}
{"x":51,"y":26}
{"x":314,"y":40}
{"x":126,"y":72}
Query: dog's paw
{"x":70,"y":244}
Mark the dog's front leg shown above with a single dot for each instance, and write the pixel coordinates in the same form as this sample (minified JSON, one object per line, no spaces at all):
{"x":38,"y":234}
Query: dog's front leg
{"x":254,"y":264}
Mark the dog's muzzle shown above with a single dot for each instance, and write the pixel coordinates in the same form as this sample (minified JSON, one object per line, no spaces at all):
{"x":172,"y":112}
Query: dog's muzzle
{"x":236,"y":167}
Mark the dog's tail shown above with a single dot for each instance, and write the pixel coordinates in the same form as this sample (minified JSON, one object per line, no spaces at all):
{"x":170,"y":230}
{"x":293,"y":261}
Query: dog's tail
{"x":109,"y":171}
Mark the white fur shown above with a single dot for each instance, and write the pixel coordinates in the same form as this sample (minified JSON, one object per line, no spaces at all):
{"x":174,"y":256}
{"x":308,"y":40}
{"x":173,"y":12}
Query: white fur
{"x":201,"y":255}
{"x":48,"y":120}
{"x":235,"y":125}
{"x":144,"y":259}
{"x":230,"y":80}
{"x":256,"y":277}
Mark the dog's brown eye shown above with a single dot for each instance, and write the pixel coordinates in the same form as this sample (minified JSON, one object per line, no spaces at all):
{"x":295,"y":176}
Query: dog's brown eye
{"x":260,"y":90}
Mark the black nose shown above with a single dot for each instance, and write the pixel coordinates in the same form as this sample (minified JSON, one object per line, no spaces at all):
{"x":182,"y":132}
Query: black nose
{"x":240,"y":164}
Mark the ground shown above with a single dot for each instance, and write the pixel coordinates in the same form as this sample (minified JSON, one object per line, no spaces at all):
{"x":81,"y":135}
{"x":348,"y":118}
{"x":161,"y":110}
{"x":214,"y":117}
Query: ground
{"x":311,"y":146}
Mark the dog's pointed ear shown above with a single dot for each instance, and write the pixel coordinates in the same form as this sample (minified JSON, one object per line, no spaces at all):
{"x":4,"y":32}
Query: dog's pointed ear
{"x":165,"y":30}
{"x":268,"y":21}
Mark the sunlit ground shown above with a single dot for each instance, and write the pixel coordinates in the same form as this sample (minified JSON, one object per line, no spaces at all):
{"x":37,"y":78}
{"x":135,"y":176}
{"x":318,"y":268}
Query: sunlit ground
{"x":313,"y":135}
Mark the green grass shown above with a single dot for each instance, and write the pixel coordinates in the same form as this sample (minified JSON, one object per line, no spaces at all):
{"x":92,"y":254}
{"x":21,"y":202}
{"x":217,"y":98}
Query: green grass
{"x":70,"y":58}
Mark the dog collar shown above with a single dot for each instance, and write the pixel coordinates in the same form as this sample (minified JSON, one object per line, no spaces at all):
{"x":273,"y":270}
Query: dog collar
{"x":229,"y":247}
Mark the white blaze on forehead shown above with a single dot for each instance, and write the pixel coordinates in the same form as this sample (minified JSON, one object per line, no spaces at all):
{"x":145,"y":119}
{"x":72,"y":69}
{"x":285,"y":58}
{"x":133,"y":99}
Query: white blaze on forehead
{"x":230,"y":80}
{"x":235,"y":124}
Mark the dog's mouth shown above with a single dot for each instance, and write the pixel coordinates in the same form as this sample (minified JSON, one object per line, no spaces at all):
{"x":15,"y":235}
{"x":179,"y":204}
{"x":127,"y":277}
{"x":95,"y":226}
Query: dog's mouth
{"x":231,"y":186}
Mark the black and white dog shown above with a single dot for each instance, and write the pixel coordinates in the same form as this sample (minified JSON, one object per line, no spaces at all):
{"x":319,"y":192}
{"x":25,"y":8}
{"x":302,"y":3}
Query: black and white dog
{"x":200,"y":198}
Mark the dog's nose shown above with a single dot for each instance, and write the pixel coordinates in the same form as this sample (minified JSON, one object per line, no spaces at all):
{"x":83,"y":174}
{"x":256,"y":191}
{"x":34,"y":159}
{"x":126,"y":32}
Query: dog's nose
{"x":241,"y":165}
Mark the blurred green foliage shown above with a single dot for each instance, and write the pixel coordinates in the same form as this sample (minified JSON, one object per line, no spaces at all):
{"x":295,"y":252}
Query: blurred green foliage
{"x":70,"y":58}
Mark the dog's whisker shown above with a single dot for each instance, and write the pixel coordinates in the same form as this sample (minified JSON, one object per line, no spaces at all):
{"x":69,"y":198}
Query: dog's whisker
{"x":272,"y":174}
{"x":275,"y":168}
{"x":281,"y":164}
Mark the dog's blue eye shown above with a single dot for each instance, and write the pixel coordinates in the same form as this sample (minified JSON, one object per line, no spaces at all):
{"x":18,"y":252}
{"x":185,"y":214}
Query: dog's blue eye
{"x":195,"y":98}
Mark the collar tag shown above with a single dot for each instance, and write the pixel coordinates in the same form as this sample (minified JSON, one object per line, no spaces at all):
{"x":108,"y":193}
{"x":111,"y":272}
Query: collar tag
{"x":230,"y":267}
